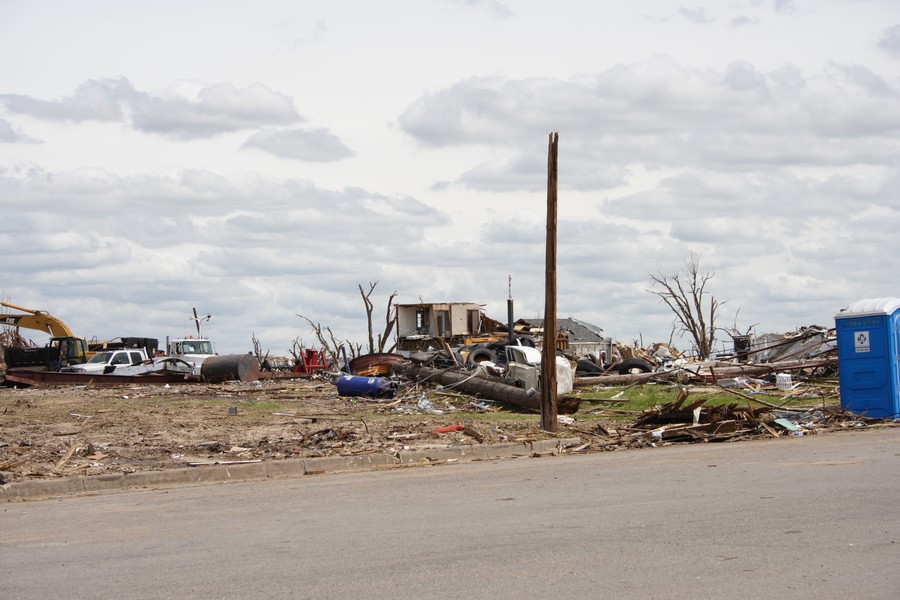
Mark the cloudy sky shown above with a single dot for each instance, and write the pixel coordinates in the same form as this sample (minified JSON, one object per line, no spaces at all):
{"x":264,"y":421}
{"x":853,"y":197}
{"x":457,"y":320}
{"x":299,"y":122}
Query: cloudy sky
{"x":261,"y":160}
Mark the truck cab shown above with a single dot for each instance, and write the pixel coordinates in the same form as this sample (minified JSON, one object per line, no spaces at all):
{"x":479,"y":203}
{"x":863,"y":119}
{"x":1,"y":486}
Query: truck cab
{"x":191,"y":350}
{"x":523,"y":369}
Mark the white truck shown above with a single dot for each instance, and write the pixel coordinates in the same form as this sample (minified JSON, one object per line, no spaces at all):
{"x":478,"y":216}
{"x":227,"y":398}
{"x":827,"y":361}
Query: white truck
{"x":130,"y":361}
{"x":191,"y":350}
{"x":127,"y":361}
{"x":523,"y":368}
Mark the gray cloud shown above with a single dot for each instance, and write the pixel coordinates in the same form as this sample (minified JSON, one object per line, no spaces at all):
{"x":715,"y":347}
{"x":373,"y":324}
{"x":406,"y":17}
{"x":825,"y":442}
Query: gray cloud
{"x":277,"y":247}
{"x":314,"y":145}
{"x":743,"y":21}
{"x":785,"y":179}
{"x":785,"y":5}
{"x":216,"y":109}
{"x":499,"y":9}
{"x":94,"y":100}
{"x":699,"y":15}
{"x":866,"y":81}
{"x":8,"y":134}
{"x":195,"y":209}
{"x":178,"y":240}
{"x":661,"y":115}
{"x":890,"y":41}
{"x":582,"y":169}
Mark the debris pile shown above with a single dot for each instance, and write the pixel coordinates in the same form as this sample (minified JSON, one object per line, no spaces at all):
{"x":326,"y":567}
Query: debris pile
{"x":696,"y":421}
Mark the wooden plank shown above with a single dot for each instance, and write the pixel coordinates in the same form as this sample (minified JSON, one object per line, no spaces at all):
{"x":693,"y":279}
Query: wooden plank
{"x":66,"y":457}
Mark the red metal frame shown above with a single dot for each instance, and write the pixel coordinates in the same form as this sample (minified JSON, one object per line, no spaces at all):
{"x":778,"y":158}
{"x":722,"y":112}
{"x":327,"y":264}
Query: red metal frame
{"x":311,"y":361}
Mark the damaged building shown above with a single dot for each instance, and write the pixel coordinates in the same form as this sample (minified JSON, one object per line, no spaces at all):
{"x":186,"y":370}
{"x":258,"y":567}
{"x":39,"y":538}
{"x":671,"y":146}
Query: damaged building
{"x":427,"y":326}
{"x":423,"y":326}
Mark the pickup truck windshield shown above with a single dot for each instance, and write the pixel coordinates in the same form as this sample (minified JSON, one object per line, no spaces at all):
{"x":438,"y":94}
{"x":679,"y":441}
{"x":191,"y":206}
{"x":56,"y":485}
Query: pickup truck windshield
{"x":101,"y":357}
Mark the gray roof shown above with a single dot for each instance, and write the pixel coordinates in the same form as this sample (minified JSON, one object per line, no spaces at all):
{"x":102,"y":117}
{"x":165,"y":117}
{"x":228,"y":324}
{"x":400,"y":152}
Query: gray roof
{"x":579,"y":331}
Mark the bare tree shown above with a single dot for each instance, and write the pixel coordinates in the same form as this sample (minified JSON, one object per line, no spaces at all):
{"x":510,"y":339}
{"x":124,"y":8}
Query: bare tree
{"x":390,"y":319}
{"x":261,"y":357}
{"x":296,"y":349}
{"x":695,"y":308}
{"x":330,"y":344}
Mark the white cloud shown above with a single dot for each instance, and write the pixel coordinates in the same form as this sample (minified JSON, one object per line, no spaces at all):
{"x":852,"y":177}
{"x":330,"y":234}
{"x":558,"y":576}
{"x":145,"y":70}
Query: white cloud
{"x":406,"y":144}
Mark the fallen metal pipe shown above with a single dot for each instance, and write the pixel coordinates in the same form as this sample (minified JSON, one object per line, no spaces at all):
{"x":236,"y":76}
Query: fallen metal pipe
{"x":492,"y":389}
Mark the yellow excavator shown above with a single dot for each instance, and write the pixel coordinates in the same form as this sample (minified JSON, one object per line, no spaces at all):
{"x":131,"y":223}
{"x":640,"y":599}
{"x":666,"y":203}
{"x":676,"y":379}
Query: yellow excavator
{"x":63,"y":349}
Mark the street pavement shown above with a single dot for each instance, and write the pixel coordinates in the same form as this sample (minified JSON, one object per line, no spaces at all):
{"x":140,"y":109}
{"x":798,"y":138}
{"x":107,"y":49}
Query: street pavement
{"x":806,"y":517}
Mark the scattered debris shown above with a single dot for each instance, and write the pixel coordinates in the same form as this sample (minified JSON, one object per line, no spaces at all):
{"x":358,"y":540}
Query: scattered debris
{"x":445,"y":396}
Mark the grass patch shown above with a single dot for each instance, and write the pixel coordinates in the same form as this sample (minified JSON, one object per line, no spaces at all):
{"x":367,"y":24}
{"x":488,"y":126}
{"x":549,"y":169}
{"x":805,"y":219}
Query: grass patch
{"x":644,"y":397}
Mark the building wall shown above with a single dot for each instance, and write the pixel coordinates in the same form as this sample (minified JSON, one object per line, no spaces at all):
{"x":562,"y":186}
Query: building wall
{"x":456,"y":315}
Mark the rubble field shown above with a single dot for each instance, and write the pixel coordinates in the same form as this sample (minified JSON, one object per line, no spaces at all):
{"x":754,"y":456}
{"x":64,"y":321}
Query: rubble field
{"x":51,"y":432}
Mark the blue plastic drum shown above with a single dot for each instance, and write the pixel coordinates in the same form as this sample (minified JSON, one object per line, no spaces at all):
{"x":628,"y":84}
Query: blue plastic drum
{"x":371,"y":387}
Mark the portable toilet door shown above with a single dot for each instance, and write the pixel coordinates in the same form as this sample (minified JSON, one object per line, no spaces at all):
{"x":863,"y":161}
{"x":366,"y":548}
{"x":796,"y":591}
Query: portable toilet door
{"x":868,"y":338}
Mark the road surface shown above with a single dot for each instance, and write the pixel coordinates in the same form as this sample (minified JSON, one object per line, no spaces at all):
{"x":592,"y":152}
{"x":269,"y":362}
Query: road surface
{"x":811,"y":517}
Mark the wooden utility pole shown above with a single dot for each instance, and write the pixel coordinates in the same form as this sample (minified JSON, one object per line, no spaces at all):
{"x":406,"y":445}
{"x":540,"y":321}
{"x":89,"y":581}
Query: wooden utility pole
{"x":549,"y":404}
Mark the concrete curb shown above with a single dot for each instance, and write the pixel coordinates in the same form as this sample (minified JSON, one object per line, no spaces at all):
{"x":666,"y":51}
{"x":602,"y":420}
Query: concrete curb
{"x":287,"y":468}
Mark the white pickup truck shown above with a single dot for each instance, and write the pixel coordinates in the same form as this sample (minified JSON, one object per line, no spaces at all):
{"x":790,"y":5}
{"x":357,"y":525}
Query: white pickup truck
{"x":133,"y":361}
{"x":111,"y":361}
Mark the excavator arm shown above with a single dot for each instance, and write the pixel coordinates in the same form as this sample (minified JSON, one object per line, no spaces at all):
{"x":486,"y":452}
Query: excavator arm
{"x":35,"y":319}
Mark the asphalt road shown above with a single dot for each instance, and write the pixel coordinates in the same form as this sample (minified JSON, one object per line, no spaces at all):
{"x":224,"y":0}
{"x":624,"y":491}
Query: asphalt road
{"x":811,"y":517}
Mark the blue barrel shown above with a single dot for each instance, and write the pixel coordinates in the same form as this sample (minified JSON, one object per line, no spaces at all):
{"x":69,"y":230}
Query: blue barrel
{"x":372,"y":387}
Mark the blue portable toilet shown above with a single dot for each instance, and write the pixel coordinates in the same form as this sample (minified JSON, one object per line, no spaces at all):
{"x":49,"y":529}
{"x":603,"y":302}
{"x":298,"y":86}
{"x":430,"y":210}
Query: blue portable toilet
{"x":868,"y":339}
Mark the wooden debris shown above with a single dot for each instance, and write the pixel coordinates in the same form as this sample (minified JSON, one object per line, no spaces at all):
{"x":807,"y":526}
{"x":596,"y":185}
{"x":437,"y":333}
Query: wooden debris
{"x":472,"y":433}
{"x":62,"y":462}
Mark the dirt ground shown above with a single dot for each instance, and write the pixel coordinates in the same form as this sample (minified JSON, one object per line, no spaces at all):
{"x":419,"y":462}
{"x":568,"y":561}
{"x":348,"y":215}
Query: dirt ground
{"x":51,"y":432}
{"x":54,"y":432}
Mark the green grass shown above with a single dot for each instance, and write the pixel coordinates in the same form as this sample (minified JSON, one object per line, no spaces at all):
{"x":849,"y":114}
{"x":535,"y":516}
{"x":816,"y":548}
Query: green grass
{"x":644,"y":397}
{"x":616,"y":403}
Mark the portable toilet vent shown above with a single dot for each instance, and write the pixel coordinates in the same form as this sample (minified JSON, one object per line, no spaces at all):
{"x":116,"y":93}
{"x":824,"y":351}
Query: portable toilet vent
{"x":868,"y":338}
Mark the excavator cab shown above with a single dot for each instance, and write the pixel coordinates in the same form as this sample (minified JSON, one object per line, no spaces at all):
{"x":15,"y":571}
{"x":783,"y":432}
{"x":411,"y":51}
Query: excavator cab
{"x":72,"y":350}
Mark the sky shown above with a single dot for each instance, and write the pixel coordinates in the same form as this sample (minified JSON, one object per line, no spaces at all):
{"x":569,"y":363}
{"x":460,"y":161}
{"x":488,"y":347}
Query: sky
{"x":261,"y":161}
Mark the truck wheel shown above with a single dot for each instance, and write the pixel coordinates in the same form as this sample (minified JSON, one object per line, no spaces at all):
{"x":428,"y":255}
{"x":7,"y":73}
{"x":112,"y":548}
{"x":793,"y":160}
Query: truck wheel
{"x":634,"y":365}
{"x":478,"y":355}
{"x":587,"y":366}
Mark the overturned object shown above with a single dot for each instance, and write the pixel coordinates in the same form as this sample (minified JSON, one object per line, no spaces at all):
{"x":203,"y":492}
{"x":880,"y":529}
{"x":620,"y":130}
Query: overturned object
{"x":377,"y":364}
{"x":371,"y":387}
